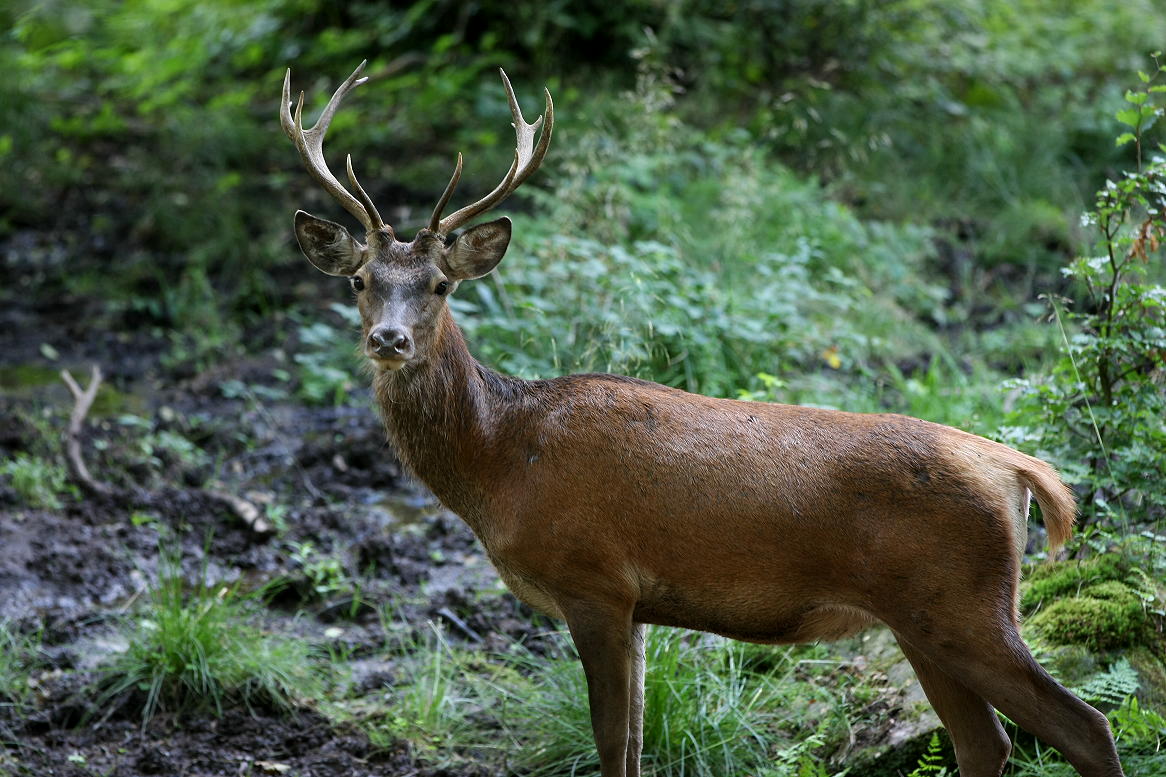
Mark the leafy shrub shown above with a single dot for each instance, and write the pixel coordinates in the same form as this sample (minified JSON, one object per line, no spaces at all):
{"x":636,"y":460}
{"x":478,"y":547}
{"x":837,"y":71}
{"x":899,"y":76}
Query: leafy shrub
{"x":613,"y":274}
{"x":1100,"y":412}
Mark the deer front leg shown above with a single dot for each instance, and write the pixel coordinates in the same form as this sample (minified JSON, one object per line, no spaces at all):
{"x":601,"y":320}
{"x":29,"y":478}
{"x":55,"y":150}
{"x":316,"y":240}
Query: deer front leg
{"x":604,"y":637}
{"x":636,"y":701}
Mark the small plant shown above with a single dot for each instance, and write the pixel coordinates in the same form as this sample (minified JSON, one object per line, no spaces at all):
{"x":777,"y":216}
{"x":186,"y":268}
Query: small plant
{"x":324,"y":572}
{"x":1138,"y":728}
{"x":1113,"y":687}
{"x":39,"y":482}
{"x":327,"y":360}
{"x":931,"y":763}
{"x":194,"y":645}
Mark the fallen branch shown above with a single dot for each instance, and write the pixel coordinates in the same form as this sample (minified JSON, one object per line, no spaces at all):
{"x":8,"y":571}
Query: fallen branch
{"x":82,"y":401}
{"x":248,"y":513}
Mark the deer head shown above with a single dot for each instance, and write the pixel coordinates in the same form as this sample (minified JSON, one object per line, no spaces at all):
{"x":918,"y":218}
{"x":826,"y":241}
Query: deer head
{"x":400,"y":287}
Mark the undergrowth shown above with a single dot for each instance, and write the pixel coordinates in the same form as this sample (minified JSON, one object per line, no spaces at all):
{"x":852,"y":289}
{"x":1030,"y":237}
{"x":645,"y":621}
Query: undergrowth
{"x":194,"y":645}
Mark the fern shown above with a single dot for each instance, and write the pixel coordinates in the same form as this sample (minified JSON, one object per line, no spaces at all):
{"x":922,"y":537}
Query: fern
{"x":931,"y":762}
{"x":1113,"y":686}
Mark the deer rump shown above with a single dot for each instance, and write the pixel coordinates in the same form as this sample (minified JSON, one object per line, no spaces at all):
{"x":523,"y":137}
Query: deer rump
{"x":761,"y":522}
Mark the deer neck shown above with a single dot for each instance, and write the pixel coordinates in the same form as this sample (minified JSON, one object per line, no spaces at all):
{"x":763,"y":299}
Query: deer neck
{"x":443,"y":415}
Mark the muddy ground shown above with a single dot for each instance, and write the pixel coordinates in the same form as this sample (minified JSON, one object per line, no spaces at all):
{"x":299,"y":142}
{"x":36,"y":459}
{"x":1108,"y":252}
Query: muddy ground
{"x":321,"y":475}
{"x":72,"y":573}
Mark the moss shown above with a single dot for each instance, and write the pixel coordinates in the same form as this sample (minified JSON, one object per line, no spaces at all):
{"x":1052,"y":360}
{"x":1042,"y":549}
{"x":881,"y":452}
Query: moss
{"x":1068,"y":578}
{"x":1151,"y":669}
{"x":1105,"y":616}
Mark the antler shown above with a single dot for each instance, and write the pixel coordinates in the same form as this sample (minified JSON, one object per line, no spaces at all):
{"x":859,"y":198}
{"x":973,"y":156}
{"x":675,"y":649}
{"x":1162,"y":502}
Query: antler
{"x":310,"y":144}
{"x":527,"y":159}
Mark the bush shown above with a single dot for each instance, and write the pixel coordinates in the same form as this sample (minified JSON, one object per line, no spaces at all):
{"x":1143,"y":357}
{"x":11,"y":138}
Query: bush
{"x":1100,"y":412}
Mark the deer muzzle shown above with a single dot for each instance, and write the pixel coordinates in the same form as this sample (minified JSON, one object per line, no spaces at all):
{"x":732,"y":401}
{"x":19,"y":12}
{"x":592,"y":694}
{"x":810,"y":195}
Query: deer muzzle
{"x":389,"y":346}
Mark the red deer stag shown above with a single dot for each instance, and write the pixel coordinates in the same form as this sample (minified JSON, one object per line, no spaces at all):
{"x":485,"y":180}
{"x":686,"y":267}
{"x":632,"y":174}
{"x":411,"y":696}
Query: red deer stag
{"x":612,"y":503}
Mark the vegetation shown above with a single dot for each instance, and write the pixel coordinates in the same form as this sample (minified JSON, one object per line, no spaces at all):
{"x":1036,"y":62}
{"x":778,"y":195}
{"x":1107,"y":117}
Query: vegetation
{"x":897,"y":206}
{"x":195,"y":645}
{"x":20,"y":657}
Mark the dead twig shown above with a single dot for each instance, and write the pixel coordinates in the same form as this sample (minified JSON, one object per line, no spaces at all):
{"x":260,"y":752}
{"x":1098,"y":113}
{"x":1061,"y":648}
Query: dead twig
{"x":82,"y":402}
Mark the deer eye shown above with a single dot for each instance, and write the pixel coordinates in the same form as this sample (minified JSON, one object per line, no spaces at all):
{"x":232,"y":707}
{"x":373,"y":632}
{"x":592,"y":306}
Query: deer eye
{"x":441,"y":289}
{"x":356,"y":282}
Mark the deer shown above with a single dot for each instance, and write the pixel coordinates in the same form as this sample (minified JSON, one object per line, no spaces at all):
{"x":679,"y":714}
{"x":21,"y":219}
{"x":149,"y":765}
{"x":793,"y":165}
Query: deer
{"x":612,"y":503}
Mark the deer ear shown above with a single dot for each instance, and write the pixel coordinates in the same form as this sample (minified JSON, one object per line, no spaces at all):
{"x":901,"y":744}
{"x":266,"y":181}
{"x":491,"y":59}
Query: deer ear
{"x":328,"y":245}
{"x":477,"y":251}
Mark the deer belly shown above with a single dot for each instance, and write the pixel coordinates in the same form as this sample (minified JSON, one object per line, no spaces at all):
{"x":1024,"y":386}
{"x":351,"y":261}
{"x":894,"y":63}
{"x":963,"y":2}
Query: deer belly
{"x":751,"y":619}
{"x":528,"y":590}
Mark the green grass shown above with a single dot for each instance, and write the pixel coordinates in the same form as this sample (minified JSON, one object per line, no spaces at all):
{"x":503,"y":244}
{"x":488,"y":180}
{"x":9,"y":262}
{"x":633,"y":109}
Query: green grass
{"x":37,"y":481}
{"x":707,"y":712}
{"x":198,"y":646}
{"x":20,"y":656}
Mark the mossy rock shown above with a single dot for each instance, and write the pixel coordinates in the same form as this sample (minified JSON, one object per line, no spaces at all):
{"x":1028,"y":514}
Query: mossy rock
{"x":1105,"y":616}
{"x":1068,"y":578}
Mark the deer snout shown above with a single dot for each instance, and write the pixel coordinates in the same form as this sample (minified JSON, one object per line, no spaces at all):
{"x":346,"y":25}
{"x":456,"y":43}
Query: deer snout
{"x":390,"y":343}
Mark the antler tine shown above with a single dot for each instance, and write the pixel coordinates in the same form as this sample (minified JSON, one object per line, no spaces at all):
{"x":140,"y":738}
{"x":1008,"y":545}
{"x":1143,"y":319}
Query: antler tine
{"x":365,"y":200}
{"x":310,"y":144}
{"x":527,"y":158}
{"x":449,"y":187}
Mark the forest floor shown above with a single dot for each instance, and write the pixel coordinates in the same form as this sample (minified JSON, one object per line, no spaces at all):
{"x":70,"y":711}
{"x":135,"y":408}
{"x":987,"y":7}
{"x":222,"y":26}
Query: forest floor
{"x":74,"y":574}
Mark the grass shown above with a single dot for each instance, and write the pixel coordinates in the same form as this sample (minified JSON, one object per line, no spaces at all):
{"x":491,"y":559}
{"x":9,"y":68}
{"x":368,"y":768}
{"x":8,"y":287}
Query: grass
{"x":197,"y":646}
{"x":20,"y":656}
{"x":38,"y":482}
{"x":708,"y":710}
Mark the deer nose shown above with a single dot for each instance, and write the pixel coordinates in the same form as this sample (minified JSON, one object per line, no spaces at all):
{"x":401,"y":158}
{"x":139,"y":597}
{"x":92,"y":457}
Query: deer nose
{"x":390,"y":343}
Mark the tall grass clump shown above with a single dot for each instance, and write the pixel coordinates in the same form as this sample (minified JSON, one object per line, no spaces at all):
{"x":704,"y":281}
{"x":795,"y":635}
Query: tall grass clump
{"x":706,"y":712}
{"x":435,"y":708}
{"x":196,"y":646}
{"x":20,"y":656}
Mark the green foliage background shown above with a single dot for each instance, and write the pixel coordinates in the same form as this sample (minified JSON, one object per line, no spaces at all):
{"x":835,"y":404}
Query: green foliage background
{"x":865,"y":204}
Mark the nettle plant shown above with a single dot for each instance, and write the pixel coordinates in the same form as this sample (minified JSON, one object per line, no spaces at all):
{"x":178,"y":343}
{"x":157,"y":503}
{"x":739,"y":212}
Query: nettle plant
{"x":1101,"y":413}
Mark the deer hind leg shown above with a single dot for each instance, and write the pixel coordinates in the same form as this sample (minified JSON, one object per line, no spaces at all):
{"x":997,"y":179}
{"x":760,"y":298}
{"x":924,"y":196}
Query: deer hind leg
{"x":985,"y":653}
{"x":981,"y":746}
{"x":605,"y":639}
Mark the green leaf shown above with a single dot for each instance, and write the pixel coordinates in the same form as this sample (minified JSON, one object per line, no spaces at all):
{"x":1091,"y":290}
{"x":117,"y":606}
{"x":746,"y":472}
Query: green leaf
{"x":1124,"y":138}
{"x":1137,"y":98}
{"x":1128,"y":116}
{"x":1145,"y":77}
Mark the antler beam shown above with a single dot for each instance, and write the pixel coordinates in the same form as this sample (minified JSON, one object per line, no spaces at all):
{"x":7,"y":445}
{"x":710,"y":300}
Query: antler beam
{"x":310,"y":144}
{"x":527,"y":158}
